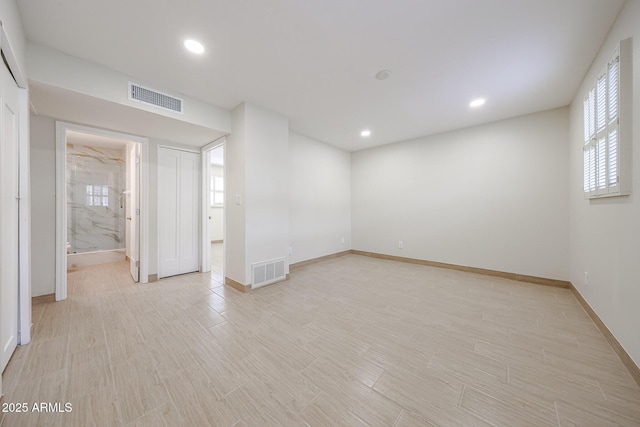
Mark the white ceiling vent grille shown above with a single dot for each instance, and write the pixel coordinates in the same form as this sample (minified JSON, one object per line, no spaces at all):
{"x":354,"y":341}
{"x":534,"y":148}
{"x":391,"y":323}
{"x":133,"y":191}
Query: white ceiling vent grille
{"x":265,"y":273}
{"x":155,"y":98}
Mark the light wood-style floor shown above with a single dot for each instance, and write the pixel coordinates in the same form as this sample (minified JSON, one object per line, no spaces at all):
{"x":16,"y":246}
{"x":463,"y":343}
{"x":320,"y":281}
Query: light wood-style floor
{"x":351,"y":341}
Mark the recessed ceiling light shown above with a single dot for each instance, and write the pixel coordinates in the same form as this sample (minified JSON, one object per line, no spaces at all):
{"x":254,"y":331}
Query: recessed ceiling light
{"x":365,"y":133}
{"x":383,"y":74}
{"x":194,"y":46}
{"x":477,"y":102}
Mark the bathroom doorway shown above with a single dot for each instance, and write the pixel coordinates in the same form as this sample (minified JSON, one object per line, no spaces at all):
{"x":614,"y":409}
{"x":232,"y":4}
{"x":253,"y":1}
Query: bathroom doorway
{"x":100,"y":204}
{"x":214,"y":210}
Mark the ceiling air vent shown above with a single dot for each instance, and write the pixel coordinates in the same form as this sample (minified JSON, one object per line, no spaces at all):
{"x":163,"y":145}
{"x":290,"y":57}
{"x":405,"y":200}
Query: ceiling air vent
{"x":155,"y":98}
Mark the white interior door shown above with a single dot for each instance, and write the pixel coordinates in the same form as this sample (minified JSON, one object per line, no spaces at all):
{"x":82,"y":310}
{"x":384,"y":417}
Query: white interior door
{"x":178,"y":216}
{"x":8,"y":216}
{"x":189,"y":197}
{"x":206,"y":214}
{"x":168,"y":176}
{"x":133,"y":209}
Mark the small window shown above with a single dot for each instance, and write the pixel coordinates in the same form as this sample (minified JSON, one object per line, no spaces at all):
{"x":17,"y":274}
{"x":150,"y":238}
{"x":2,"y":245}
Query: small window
{"x":607,"y":128}
{"x":98,"y":195}
{"x":217,"y":191}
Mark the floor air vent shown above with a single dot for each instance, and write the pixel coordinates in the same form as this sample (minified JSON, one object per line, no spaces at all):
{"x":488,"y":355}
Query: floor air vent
{"x":152,"y":97}
{"x":265,"y":273}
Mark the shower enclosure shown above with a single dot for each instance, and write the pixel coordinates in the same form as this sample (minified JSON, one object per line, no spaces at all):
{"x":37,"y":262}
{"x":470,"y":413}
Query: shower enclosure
{"x":95,"y":200}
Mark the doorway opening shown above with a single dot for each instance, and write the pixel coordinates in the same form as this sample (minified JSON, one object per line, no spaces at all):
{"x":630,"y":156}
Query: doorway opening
{"x":213,"y":229}
{"x":101,"y":203}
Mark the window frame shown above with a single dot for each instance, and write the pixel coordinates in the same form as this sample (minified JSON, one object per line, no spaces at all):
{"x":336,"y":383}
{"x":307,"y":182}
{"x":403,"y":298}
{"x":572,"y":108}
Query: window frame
{"x":97,"y":195}
{"x":607,"y":128}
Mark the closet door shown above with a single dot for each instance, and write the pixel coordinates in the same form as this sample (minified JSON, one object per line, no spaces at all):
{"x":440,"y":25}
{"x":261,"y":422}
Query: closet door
{"x":178,"y":190}
{"x":8,"y":216}
{"x":189,"y":213}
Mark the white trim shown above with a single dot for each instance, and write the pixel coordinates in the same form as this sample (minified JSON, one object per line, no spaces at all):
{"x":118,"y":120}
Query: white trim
{"x":143,"y":185}
{"x":61,"y":212}
{"x":205,"y":245}
{"x":173,"y":147}
{"x":61,"y":199}
{"x":24,"y":221}
{"x":214,"y":144}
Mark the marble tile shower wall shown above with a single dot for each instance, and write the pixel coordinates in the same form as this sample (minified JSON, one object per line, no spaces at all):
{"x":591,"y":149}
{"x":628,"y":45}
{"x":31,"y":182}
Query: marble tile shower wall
{"x":95,"y":201}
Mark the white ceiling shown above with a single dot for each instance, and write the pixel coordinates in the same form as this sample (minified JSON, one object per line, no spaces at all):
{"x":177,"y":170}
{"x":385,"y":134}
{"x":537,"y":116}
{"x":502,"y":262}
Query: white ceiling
{"x":315,"y":61}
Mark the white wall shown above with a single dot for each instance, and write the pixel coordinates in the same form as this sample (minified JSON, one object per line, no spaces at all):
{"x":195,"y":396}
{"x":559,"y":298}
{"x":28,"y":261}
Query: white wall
{"x":256,"y":165}
{"x":43,"y":206}
{"x":267,"y":185}
{"x":319,"y":198}
{"x":493,"y":196}
{"x":235,"y":246}
{"x":605,"y":234}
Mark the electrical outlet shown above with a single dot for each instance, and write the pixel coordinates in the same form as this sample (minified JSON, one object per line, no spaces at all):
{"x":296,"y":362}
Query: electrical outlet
{"x":400,"y":244}
{"x":290,"y":250}
{"x":343,"y":240}
{"x":586,"y":279}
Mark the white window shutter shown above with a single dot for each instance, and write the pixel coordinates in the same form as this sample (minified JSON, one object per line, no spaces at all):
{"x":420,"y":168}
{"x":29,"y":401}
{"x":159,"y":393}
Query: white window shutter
{"x":601,"y":102}
{"x":592,"y":169}
{"x":613,"y":85}
{"x":592,"y":114}
{"x":613,"y":158}
{"x":601,"y":168}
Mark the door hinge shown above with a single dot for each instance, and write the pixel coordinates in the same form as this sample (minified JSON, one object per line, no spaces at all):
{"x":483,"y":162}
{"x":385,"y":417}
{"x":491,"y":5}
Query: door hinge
{"x":138,"y":264}
{"x":137,"y":211}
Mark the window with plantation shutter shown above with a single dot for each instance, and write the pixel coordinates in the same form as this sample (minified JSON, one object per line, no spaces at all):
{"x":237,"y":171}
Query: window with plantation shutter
{"x":604,"y":134}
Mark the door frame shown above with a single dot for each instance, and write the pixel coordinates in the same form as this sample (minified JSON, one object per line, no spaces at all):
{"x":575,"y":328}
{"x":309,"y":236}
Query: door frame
{"x":205,"y":241}
{"x":61,"y":199}
{"x":132,"y":208}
